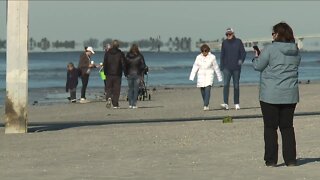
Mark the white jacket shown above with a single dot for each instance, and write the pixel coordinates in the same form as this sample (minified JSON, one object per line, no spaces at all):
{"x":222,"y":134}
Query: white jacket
{"x":205,"y":66}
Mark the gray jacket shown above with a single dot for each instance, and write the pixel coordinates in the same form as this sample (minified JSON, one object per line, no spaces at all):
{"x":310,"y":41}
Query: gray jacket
{"x":278,"y":64}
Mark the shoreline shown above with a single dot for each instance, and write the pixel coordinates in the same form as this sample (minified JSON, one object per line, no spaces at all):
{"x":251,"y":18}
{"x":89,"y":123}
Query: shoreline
{"x":53,"y":95}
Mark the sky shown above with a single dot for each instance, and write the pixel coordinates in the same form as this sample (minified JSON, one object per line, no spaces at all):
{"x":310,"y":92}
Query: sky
{"x":134,"y":20}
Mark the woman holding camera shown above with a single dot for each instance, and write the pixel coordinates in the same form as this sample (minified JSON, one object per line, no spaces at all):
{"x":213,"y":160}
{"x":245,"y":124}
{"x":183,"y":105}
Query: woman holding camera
{"x":279,"y":93}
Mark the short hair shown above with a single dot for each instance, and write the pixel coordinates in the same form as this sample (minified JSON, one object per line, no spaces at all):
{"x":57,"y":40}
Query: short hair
{"x":115,"y":44}
{"x":204,"y":47}
{"x":70,"y":64}
{"x":284,"y":31}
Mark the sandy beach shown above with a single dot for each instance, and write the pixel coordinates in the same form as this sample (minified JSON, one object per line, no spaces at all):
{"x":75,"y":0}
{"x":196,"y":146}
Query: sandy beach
{"x":168,"y":137}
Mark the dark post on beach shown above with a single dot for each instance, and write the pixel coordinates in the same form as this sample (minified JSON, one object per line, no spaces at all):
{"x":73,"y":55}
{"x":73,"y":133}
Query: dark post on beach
{"x":17,"y":67}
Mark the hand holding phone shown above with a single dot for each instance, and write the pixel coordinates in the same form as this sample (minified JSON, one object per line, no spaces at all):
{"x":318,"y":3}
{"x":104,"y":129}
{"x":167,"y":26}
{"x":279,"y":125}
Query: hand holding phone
{"x":257,"y":50}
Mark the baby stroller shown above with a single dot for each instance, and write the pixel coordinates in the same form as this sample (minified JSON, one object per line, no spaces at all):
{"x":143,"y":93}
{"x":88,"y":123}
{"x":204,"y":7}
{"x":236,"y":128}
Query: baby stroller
{"x":143,"y":90}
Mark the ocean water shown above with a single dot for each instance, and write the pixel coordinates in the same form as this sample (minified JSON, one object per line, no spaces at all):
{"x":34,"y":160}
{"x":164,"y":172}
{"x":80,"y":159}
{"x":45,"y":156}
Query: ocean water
{"x":47,"y":70}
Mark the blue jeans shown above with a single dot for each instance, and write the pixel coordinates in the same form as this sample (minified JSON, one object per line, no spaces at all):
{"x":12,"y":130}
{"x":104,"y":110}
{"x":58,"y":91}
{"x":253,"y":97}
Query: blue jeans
{"x":205,"y":92}
{"x":227,"y":74}
{"x":133,"y":84}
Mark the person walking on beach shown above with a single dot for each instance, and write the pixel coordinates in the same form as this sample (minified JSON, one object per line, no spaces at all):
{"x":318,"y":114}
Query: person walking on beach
{"x":278,"y":64}
{"x":113,"y":68}
{"x":72,"y":82}
{"x":85,"y":65}
{"x":232,"y":57}
{"x":205,"y":66}
{"x":101,"y":70}
{"x":135,"y":66}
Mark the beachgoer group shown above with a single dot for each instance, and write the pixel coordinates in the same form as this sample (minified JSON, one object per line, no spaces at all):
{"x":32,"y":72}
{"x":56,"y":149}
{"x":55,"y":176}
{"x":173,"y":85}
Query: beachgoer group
{"x":114,"y":65}
{"x":277,"y":63}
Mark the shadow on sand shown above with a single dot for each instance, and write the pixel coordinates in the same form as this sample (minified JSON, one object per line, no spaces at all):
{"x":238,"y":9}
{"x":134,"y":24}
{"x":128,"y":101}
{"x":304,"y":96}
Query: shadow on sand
{"x":56,"y":126}
{"x":220,"y":109}
{"x":303,"y":161}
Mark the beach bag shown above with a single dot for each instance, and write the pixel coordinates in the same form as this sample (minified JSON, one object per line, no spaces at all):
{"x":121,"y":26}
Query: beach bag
{"x":102,"y":75}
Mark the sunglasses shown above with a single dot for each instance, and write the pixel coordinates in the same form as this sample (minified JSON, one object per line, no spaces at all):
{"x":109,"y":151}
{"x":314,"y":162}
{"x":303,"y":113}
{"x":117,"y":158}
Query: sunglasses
{"x":273,"y":34}
{"x":228,"y":34}
{"x":205,"y":50}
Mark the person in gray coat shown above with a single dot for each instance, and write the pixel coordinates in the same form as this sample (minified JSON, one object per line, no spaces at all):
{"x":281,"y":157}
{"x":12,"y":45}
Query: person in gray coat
{"x":279,"y":93}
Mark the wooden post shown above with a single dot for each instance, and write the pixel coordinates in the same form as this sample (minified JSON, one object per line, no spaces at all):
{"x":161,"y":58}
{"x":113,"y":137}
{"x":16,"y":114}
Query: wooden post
{"x":17,"y":67}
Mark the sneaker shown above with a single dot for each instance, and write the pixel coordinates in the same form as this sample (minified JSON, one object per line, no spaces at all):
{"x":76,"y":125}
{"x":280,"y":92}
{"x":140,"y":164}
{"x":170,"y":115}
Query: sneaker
{"x":83,"y":100}
{"x":134,"y":107}
{"x":130,"y":107}
{"x":108,"y":104}
{"x":237,"y":106}
{"x":73,"y":100}
{"x":224,"y":106}
{"x":206,"y":108}
{"x":116,"y":107}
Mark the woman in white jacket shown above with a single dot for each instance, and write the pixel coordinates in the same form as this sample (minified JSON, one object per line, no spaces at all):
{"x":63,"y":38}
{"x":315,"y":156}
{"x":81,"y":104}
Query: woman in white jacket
{"x":205,"y":65}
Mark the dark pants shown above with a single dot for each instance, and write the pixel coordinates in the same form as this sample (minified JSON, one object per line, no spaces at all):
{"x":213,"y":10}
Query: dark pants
{"x":85,"y":80}
{"x":274,"y":116}
{"x":105,"y":85}
{"x":133,"y":84}
{"x":227,"y":74}
{"x":73,"y":94}
{"x":113,"y":89}
{"x":205,"y":93}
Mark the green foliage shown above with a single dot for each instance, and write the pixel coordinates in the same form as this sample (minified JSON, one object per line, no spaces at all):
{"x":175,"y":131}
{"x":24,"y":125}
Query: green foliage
{"x":227,"y":119}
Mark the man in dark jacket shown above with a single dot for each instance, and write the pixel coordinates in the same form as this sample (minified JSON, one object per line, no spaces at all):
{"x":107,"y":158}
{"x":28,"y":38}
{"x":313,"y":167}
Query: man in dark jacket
{"x":231,"y":59}
{"x":113,"y":66}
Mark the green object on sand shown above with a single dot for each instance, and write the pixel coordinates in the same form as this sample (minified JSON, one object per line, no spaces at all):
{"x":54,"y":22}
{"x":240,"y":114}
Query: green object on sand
{"x":227,"y":119}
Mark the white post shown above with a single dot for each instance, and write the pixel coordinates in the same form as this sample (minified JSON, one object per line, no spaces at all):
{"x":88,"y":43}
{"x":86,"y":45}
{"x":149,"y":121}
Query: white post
{"x":17,"y":67}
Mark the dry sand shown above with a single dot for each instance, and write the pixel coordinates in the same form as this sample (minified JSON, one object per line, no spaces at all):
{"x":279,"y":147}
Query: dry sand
{"x":169,"y":137}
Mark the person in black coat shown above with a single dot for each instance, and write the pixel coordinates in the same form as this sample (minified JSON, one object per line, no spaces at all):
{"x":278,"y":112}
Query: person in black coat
{"x":72,"y":81}
{"x":113,"y":67}
{"x":134,"y":70}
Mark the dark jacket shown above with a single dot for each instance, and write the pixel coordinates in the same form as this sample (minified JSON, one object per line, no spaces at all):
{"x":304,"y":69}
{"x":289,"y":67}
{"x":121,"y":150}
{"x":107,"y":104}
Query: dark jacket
{"x":135,"y":64}
{"x":72,"y":79}
{"x":278,"y":64}
{"x":84,"y":62}
{"x":232,"y":54}
{"x":113,"y":64}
